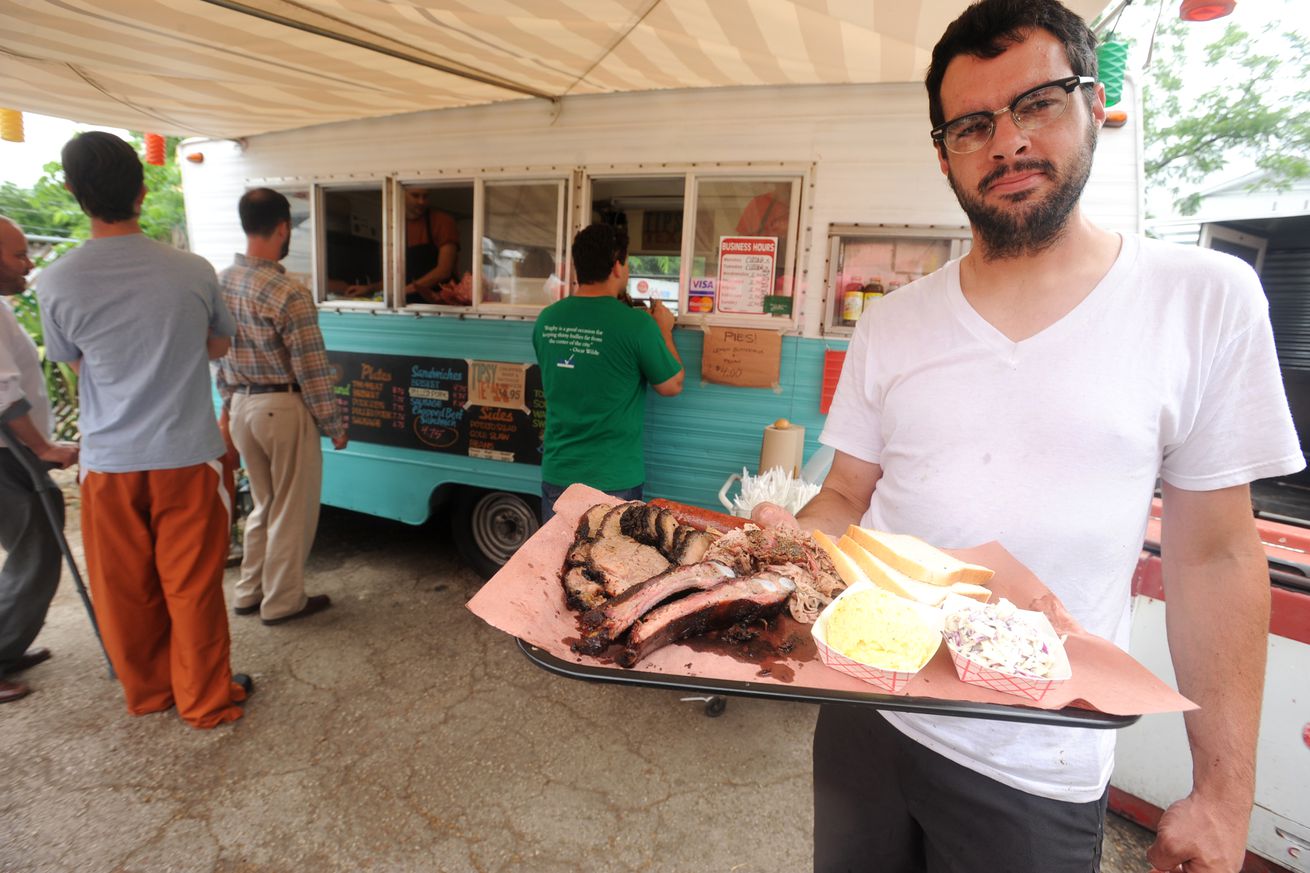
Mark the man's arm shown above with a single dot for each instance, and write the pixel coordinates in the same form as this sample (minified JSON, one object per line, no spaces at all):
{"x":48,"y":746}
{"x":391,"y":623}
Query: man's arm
{"x":846,"y":494}
{"x":60,"y":454}
{"x":1217,"y":618}
{"x":426,"y":284}
{"x":664,"y":321}
{"x":299,"y":330}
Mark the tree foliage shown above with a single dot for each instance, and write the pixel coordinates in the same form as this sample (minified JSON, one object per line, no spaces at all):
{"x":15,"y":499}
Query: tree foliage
{"x":48,"y":209}
{"x":1259,"y":110}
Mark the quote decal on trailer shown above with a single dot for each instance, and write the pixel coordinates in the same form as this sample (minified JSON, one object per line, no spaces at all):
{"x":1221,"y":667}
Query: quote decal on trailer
{"x":481,"y":409}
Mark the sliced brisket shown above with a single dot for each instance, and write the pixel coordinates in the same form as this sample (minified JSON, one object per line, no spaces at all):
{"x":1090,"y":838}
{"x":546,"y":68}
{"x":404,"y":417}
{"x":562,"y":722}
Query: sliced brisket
{"x":693,"y":546}
{"x":589,"y":524}
{"x":580,"y":591}
{"x":619,"y":562}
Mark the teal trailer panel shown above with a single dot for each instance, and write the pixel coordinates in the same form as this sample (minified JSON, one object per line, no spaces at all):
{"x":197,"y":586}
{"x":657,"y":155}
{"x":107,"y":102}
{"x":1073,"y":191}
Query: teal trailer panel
{"x":693,"y":442}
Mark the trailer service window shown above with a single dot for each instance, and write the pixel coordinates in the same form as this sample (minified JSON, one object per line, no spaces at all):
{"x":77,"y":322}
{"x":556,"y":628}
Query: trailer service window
{"x":523,"y":242}
{"x":745,"y":235}
{"x":351,"y":243}
{"x":435,"y":243}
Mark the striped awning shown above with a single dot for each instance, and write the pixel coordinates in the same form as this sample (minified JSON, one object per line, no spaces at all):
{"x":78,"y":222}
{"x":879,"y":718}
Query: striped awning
{"x":233,"y":68}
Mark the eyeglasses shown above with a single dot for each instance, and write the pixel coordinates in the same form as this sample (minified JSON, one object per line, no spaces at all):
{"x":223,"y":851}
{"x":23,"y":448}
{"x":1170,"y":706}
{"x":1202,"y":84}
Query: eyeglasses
{"x":1034,"y":108}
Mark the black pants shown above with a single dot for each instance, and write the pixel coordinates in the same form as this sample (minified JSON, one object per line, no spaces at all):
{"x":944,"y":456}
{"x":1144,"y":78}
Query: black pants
{"x":883,"y":803}
{"x":30,"y":573}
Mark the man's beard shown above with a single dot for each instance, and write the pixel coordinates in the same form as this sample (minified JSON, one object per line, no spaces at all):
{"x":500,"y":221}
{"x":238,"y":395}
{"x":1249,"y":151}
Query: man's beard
{"x":1015,"y":232}
{"x":286,"y":248}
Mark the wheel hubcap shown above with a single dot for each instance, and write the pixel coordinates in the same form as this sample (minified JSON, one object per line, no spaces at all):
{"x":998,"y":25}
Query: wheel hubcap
{"x":501,"y":523}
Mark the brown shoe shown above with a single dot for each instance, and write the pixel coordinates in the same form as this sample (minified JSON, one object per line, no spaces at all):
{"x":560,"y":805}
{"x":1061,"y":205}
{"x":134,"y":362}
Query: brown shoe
{"x":11,"y":691}
{"x":29,"y":659}
{"x":316,"y":603}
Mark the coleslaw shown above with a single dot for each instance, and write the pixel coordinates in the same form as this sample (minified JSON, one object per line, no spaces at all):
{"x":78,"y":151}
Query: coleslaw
{"x":997,"y":636}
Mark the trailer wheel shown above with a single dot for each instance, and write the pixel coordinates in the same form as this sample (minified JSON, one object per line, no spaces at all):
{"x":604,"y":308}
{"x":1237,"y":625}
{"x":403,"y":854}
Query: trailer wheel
{"x":489,"y":526}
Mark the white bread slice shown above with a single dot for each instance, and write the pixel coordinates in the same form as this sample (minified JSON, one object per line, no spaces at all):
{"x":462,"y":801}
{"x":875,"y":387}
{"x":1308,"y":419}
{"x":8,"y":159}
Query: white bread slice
{"x":849,"y":571}
{"x":917,"y":559}
{"x":889,"y":578}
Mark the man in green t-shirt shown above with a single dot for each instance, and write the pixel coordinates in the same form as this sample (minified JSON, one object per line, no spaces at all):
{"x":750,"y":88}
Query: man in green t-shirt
{"x":596,"y":354}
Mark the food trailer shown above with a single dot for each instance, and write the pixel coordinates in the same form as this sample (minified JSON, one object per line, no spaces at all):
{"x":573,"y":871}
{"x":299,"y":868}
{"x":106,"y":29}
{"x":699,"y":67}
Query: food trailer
{"x":445,"y":402}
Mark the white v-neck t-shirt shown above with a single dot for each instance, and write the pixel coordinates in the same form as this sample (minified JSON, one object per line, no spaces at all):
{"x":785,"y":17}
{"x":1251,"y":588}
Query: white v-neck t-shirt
{"x":1052,"y":446}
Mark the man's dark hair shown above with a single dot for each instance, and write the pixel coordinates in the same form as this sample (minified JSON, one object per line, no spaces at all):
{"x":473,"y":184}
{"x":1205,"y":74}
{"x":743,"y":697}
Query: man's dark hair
{"x":987,"y":28}
{"x":262,"y":210}
{"x":596,"y":248}
{"x":104,"y":174}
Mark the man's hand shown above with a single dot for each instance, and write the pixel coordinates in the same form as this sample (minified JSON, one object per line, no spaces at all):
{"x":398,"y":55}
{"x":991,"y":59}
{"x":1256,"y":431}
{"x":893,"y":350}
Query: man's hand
{"x":230,"y":455}
{"x":62,"y":455}
{"x":772,"y":515}
{"x":217,"y":346}
{"x":662,"y":316}
{"x":339,"y":442}
{"x":1200,"y":835}
{"x":354,"y":292}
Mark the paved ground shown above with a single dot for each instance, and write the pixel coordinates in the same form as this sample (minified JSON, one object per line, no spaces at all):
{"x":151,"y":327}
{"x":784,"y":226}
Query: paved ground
{"x":395,"y":732}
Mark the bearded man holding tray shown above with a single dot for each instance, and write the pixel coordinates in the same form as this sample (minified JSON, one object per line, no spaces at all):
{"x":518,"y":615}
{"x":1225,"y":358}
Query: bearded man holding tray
{"x":1032,"y":392}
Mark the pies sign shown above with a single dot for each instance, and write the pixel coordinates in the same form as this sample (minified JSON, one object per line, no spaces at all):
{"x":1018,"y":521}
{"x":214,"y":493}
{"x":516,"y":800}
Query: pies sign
{"x":744,"y":357}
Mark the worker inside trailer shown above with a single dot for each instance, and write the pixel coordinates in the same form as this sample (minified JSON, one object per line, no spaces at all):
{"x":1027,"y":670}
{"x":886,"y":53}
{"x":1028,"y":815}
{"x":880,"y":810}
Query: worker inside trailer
{"x":431,"y":252}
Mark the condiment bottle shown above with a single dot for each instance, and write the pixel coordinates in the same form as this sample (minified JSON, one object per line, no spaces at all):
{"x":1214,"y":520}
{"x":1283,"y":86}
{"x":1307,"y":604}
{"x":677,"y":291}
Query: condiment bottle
{"x":851,"y":306}
{"x":872,"y":291}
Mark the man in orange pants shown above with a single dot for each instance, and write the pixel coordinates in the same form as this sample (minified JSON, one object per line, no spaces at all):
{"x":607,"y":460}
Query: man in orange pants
{"x":139,"y":320}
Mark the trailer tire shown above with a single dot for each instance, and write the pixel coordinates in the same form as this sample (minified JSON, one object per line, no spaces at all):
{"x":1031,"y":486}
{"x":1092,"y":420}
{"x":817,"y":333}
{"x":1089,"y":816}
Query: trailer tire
{"x":489,"y":526}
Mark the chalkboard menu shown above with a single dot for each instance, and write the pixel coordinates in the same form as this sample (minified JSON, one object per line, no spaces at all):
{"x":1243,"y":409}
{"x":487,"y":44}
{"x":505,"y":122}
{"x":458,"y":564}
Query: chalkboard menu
{"x":482,"y":409}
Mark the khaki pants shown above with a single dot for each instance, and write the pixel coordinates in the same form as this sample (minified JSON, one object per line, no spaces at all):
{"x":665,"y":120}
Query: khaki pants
{"x":279,"y":446}
{"x":156,"y":543}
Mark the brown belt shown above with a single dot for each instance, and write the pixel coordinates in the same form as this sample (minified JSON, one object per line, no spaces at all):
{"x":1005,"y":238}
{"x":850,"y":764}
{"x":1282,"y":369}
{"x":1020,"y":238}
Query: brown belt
{"x":284,"y":388}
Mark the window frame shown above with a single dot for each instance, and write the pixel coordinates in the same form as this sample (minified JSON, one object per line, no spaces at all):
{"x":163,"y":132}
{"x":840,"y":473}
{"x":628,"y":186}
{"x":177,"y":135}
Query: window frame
{"x":801,"y":176}
{"x":319,"y":188}
{"x":563,"y":234}
{"x":796,"y":242}
{"x":959,"y":237}
{"x":396,"y":296}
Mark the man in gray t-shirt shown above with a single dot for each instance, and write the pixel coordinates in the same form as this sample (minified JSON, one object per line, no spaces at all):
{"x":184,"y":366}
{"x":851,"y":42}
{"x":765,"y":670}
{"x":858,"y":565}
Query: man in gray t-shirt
{"x":139,"y":321}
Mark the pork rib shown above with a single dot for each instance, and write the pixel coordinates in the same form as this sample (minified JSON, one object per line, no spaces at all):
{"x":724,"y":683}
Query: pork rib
{"x":608,"y":621}
{"x":734,"y":602}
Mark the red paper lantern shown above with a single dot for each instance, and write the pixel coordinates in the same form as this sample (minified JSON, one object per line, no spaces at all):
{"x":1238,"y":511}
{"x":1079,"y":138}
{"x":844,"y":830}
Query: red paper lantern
{"x":1206,"y":10}
{"x":155,"y":149}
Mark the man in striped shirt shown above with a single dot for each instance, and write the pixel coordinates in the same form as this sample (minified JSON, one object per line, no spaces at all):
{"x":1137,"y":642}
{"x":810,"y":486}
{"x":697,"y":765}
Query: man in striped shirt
{"x":276,"y":386}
